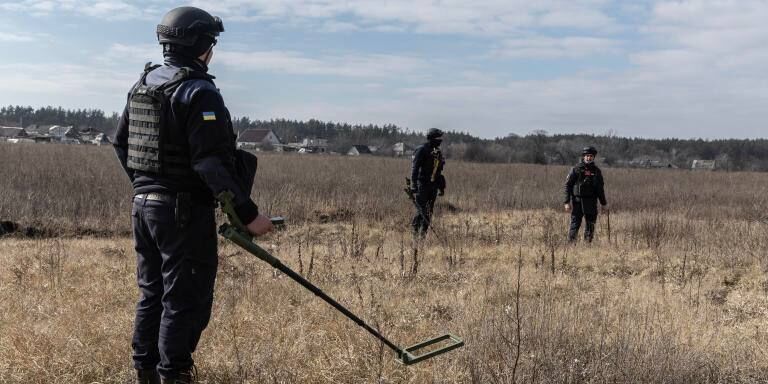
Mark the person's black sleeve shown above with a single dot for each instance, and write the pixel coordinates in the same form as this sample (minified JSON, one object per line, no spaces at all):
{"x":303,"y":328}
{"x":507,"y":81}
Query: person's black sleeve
{"x":570,"y":180}
{"x":601,"y":189}
{"x":120,"y":142}
{"x":415,"y":167}
{"x":211,"y":145}
{"x":442,"y":184}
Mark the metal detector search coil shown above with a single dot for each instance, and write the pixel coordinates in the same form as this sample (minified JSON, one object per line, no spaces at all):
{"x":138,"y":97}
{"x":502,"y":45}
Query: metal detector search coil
{"x":409,"y":356}
{"x":236,"y":232}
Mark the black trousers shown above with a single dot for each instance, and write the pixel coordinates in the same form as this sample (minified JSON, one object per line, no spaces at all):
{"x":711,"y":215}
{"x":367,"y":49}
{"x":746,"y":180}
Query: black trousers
{"x":176,"y":273}
{"x":585,"y":208}
{"x":425,"y":200}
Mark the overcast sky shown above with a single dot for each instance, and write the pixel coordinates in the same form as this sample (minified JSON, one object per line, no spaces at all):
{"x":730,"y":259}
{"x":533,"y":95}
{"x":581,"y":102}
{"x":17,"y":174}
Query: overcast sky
{"x":645,"y":68}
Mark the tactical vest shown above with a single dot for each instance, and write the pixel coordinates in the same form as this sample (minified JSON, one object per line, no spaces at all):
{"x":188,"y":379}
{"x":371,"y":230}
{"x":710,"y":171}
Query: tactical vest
{"x":151,"y":147}
{"x":586,"y":182}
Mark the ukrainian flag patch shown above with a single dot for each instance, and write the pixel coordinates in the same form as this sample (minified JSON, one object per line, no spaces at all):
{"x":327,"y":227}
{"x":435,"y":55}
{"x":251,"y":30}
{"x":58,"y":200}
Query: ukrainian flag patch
{"x":209,"y":116}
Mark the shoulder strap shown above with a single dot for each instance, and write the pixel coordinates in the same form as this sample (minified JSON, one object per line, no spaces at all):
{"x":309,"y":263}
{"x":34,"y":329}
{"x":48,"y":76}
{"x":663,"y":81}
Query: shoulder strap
{"x":182,"y":75}
{"x":148,"y":67}
{"x":579,"y":170}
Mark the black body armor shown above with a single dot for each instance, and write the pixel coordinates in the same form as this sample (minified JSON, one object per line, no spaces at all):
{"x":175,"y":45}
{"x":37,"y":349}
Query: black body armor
{"x":153,"y":145}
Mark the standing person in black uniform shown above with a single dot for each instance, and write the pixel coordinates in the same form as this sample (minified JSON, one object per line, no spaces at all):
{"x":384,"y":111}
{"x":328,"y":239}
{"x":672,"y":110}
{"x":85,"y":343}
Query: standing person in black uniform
{"x":583,"y":189}
{"x":176,"y":143}
{"x":427,"y":180}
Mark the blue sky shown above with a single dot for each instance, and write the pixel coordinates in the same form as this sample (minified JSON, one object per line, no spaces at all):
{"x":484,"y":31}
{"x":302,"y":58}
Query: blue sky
{"x":647,"y":68}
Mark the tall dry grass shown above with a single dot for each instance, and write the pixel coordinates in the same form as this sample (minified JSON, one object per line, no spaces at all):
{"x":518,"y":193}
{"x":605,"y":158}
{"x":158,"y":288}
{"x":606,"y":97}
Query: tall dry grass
{"x":677,"y":296}
{"x":81,"y":189}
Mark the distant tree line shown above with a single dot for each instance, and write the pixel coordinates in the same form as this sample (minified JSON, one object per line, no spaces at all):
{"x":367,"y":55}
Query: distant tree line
{"x":537,"y":147}
{"x":342,"y":136}
{"x":25,"y":116}
{"x":540,"y":148}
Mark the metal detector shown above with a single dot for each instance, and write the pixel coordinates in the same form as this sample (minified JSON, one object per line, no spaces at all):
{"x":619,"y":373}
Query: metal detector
{"x":236,"y":232}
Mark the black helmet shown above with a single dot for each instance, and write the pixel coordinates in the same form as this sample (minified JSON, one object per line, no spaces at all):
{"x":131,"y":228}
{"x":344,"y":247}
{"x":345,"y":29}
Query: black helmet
{"x":434,"y":133}
{"x":589,"y":151}
{"x":191,"y":28}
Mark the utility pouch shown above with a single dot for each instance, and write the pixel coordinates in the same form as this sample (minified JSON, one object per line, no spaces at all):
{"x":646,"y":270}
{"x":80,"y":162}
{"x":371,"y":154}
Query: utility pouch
{"x":246,"y":164}
{"x":183,"y":209}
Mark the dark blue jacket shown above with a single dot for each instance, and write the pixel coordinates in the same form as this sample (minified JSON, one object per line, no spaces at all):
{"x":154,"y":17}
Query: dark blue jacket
{"x":210,"y":140}
{"x":579,"y":174}
{"x":425,"y":159}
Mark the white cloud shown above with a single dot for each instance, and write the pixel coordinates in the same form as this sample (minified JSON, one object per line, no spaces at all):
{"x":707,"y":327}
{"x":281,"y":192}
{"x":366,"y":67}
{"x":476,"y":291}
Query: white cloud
{"x":585,"y":18}
{"x":103,"y":9}
{"x":76,"y":86}
{"x":133,"y":54}
{"x":489,"y":17}
{"x":715,"y":42}
{"x":678,"y":67}
{"x":348,"y":65}
{"x":337,"y":26}
{"x":112,"y":10}
{"x":553,"y":48}
{"x":700,"y":73}
{"x":16,"y":37}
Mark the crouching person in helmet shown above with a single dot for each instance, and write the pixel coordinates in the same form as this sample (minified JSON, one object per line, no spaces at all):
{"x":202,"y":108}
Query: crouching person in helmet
{"x":583,"y":189}
{"x":176,"y":143}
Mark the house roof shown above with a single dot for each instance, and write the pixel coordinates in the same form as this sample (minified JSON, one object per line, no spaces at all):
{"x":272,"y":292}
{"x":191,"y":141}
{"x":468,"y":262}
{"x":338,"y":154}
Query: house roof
{"x":12,"y":132}
{"x":89,"y":130}
{"x":361,"y":149}
{"x":61,"y":130}
{"x":254,"y":135}
{"x":101,"y":138}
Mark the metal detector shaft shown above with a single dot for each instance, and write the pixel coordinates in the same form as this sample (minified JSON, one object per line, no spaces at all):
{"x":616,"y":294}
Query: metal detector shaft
{"x":235,"y":231}
{"x":245,"y":242}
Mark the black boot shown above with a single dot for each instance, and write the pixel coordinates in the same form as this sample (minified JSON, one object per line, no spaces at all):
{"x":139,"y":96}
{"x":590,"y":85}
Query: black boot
{"x":589,"y":231}
{"x":147,"y":376}
{"x":184,"y":377}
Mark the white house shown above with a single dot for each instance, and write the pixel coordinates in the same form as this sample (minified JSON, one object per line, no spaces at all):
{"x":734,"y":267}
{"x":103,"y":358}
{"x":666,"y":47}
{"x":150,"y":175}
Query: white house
{"x":256,"y":138}
{"x":402,"y":149}
{"x":12,"y":133}
{"x":704,"y":164}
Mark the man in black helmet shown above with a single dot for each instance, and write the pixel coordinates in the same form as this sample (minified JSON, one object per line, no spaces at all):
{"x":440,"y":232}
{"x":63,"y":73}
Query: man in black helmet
{"x":583,"y":189}
{"x":176,"y":143}
{"x":427,"y":179}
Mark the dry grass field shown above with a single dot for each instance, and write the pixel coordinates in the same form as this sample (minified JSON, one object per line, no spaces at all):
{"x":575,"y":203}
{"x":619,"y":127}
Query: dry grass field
{"x":678,"y":295}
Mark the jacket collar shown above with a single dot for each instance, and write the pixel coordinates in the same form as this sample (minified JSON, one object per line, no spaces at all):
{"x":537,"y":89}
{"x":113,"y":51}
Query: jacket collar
{"x":179,"y":60}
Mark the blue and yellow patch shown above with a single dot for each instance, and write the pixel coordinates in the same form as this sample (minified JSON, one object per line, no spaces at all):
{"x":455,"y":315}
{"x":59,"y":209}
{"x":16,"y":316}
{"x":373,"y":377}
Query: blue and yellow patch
{"x":209,"y":116}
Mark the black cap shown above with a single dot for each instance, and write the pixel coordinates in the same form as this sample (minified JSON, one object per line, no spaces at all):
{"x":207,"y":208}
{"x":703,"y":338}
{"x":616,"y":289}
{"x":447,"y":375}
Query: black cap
{"x":189,"y":29}
{"x":589,"y":151}
{"x":434,"y":133}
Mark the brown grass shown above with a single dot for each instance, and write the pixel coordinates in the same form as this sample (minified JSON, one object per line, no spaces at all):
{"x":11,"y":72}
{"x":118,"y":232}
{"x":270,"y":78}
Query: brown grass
{"x":678,"y":296}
